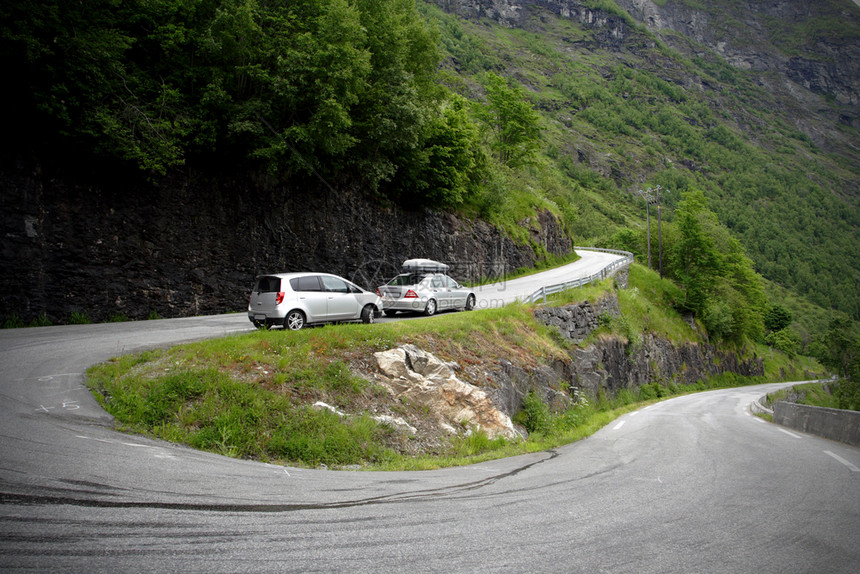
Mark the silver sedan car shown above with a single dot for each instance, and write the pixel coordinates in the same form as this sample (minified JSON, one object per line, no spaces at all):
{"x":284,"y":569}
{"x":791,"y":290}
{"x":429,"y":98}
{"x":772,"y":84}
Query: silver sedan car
{"x":422,"y":291}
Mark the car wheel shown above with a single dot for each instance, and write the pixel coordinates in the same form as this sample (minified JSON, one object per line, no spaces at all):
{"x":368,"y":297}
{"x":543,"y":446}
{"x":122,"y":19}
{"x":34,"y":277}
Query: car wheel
{"x":367,"y":314}
{"x":294,"y":320}
{"x":470,"y":303}
{"x":430,"y":309}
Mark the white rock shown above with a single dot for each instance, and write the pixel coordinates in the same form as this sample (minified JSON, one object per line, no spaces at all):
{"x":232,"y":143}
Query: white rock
{"x":396,"y":422}
{"x":423,"y":379}
{"x":319,"y":405}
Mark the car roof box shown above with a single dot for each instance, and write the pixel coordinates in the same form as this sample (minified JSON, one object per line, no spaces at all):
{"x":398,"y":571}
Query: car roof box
{"x":423,"y":266}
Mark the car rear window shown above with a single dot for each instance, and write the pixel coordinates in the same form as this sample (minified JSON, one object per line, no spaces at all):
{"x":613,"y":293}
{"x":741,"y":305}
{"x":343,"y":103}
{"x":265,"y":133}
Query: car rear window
{"x":308,"y":283}
{"x":406,"y":279}
{"x":268,"y":284}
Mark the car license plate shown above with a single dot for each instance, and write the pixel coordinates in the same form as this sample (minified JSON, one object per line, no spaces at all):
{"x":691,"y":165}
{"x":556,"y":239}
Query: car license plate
{"x":260,"y":317}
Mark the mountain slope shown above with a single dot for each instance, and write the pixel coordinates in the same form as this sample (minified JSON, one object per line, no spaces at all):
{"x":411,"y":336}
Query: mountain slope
{"x":693,"y":98}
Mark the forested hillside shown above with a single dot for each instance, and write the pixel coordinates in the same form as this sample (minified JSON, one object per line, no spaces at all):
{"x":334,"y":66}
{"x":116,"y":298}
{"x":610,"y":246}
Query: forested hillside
{"x":623,"y":111}
{"x":571,"y":107}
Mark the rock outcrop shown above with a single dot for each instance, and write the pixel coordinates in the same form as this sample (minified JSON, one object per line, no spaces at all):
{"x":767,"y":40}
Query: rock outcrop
{"x":578,"y":321}
{"x":612,"y":363}
{"x":419,"y":377}
{"x":743,"y":38}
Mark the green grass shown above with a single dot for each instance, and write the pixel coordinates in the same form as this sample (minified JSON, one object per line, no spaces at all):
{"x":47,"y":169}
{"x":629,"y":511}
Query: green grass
{"x":251,"y":395}
{"x":812,"y":394}
{"x":649,"y":305}
{"x":248,"y":395}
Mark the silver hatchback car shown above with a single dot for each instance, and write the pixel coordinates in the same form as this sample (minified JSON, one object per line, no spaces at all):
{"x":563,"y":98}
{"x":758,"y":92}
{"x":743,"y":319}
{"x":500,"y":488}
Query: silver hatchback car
{"x":423,"y":287}
{"x":298,"y":299}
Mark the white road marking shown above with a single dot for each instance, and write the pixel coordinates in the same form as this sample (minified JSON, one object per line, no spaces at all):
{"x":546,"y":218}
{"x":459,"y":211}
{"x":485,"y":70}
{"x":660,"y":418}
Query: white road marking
{"x":618,"y":426}
{"x":843,"y":461}
{"x":634,"y":413}
{"x":157,"y":451}
{"x":789,"y":433}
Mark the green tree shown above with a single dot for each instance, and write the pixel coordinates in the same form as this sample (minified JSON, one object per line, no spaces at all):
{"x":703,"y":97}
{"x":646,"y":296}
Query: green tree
{"x":694,"y":258}
{"x":451,"y":164}
{"x":400,"y":93}
{"x":513,"y":123}
{"x":777,"y":318}
{"x":297,"y":85}
{"x":310,"y":75}
{"x":839,"y":350}
{"x":719,"y":282}
{"x":74,"y":78}
{"x":785,"y":340}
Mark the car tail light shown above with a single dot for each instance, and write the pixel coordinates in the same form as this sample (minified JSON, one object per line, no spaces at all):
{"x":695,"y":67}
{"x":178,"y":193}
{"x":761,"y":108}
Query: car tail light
{"x":378,"y":293}
{"x":410,"y":295}
{"x":280,"y":298}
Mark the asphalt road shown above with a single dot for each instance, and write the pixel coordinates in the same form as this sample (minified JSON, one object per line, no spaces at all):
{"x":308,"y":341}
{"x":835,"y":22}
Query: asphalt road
{"x":693,"y":484}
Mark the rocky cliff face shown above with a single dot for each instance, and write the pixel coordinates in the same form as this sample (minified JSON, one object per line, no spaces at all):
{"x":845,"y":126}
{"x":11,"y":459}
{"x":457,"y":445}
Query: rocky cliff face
{"x":746,"y":36}
{"x":743,"y":34}
{"x":816,"y":79}
{"x":612,"y":363}
{"x":187,"y":245}
{"x":515,"y":13}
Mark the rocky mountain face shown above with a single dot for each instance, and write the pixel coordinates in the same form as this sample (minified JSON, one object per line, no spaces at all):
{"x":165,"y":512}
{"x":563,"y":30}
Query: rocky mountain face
{"x":612,"y":363}
{"x":813,"y":75}
{"x":191,"y":245}
{"x":745,"y":35}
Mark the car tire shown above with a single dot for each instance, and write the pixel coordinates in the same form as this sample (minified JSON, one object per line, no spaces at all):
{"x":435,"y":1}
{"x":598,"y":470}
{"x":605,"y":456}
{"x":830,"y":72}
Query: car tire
{"x":470,"y":302}
{"x":430,"y":309}
{"x":294,"y":320}
{"x":367,"y":314}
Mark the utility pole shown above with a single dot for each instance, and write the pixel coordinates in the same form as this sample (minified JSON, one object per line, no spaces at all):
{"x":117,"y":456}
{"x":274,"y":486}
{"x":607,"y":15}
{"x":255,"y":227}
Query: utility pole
{"x":647,"y":196}
{"x":660,"y":229}
{"x":653,"y":196}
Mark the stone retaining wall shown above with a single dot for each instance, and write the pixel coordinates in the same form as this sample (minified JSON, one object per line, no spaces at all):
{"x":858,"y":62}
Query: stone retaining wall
{"x":578,"y":321}
{"x":834,"y":424}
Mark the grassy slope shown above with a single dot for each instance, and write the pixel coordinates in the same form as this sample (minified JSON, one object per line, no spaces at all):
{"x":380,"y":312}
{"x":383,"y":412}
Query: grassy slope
{"x":251,"y":395}
{"x":625,"y":116}
{"x":813,"y":394}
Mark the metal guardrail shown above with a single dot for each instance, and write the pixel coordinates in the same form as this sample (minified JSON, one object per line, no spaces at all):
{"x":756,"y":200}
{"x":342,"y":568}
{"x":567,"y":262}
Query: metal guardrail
{"x":607,"y":271}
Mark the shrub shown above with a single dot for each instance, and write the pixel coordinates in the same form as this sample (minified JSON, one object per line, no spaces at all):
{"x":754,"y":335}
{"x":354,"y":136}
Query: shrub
{"x":79,"y":318}
{"x":785,"y":340}
{"x":535,"y":415}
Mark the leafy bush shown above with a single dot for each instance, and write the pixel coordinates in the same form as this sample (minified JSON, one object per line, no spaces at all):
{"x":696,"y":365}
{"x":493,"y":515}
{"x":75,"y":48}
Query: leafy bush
{"x":785,"y":340}
{"x":777,"y":318}
{"x":535,"y":414}
{"x":79,"y":318}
